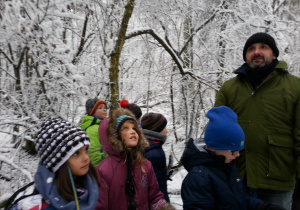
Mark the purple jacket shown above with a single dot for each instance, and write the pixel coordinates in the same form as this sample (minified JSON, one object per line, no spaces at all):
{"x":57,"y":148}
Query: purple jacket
{"x":112,"y":174}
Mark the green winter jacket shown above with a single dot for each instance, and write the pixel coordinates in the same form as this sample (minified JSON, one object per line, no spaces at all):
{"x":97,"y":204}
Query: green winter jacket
{"x":96,"y":152}
{"x":270,"y":118}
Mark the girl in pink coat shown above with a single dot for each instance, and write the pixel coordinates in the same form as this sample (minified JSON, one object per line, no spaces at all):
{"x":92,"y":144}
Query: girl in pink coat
{"x":127,"y":179}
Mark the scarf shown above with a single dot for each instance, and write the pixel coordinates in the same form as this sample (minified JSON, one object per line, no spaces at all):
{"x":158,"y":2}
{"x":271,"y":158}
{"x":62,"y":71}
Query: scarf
{"x":257,"y":75}
{"x":155,"y":136}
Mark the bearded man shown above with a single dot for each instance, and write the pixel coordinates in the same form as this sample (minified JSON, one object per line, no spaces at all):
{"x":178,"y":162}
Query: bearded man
{"x":266,"y":99}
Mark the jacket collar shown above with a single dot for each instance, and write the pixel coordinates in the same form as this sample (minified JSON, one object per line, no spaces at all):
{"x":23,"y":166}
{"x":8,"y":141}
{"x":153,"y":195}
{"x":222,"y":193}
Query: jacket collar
{"x":278,"y":65}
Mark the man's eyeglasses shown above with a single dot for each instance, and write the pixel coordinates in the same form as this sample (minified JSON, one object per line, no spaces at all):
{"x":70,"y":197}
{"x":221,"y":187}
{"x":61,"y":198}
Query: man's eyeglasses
{"x":102,"y":108}
{"x":233,"y":152}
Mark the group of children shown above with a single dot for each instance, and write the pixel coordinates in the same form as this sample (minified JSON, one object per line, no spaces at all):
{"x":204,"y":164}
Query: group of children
{"x":117,"y":162}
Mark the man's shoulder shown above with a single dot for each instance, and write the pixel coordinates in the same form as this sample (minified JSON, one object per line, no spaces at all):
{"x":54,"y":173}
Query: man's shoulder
{"x":232,"y":81}
{"x":281,"y":65}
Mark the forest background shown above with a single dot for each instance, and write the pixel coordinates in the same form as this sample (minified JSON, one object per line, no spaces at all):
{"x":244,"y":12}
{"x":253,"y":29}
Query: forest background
{"x":167,"y":56}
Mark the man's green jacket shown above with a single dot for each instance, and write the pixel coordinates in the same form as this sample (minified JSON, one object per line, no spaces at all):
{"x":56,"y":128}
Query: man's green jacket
{"x":270,"y":118}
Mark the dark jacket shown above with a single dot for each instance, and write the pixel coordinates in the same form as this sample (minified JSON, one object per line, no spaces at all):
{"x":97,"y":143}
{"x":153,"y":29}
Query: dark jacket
{"x":211,"y":183}
{"x":156,"y":155}
{"x":270,"y":118}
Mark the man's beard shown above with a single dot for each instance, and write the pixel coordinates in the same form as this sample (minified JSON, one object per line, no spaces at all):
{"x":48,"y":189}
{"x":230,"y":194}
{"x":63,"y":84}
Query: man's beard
{"x":263,"y":64}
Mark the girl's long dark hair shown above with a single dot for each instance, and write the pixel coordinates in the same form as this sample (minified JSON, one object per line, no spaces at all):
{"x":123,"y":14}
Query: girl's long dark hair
{"x":63,"y":181}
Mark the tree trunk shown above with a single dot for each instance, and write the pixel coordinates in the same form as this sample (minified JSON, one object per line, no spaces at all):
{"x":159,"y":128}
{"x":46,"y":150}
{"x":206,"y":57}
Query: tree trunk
{"x":116,"y":54}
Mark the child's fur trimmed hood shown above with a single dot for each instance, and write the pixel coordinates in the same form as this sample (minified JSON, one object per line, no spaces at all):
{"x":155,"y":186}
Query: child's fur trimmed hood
{"x":117,"y":144}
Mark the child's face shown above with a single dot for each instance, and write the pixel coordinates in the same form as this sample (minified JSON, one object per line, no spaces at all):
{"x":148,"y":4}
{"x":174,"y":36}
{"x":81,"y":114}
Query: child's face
{"x":129,"y":134}
{"x":228,"y":154}
{"x":164,"y":131}
{"x":79,"y":162}
{"x":101,"y":111}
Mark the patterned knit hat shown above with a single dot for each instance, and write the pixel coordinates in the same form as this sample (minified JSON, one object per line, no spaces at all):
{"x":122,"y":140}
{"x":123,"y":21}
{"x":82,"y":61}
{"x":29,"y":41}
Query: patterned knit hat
{"x":261,"y":38}
{"x":154,"y":122}
{"x":223,"y":131}
{"x":92,"y":104}
{"x":135,"y":109}
{"x":57,"y":140}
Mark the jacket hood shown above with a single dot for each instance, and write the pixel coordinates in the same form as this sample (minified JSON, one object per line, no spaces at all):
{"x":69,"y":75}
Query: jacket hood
{"x":109,"y":137}
{"x":87,"y":121}
{"x":45,"y":183}
{"x":195,"y":154}
{"x":104,"y":138}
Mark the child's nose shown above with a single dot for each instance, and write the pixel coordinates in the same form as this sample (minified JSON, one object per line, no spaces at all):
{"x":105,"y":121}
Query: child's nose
{"x":133,"y":131}
{"x":86,"y":156}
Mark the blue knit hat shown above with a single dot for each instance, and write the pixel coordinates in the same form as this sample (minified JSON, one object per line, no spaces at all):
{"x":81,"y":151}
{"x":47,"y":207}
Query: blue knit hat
{"x":223,"y":131}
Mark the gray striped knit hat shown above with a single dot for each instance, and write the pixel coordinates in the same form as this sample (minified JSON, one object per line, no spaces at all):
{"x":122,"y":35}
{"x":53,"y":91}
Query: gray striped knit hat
{"x":154,"y":122}
{"x":57,"y":140}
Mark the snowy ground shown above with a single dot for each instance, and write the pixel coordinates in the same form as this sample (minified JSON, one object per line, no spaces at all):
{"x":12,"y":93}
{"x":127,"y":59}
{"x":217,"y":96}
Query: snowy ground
{"x":17,"y":168}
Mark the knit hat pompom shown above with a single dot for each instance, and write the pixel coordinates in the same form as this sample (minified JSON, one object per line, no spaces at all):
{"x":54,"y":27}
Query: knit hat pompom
{"x":223,"y":131}
{"x":154,"y":122}
{"x":92,"y":104}
{"x":261,"y":38}
{"x":124,"y":103}
{"x":57,"y":140}
{"x":135,"y":109}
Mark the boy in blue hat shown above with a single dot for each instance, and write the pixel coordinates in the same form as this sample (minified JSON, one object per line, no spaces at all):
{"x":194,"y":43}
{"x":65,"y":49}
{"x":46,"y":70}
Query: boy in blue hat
{"x":213,"y":182}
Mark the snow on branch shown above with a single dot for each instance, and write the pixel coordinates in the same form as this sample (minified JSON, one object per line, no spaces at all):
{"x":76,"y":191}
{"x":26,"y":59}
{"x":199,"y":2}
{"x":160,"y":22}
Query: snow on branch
{"x":67,"y":15}
{"x":174,"y":56}
{"x":11,"y":163}
{"x":160,"y":41}
{"x":198,"y":29}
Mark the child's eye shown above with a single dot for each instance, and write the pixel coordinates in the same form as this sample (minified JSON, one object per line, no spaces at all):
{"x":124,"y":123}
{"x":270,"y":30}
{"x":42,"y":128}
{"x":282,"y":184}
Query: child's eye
{"x":75,"y":154}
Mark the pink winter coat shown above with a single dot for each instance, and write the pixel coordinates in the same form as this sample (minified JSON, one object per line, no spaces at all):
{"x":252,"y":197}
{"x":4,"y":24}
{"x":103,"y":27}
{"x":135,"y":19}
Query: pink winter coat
{"x":112,"y":174}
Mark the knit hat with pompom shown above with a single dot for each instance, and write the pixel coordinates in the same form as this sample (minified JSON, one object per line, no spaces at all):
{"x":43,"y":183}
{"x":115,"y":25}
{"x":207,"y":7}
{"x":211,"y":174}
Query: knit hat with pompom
{"x":135,"y":109}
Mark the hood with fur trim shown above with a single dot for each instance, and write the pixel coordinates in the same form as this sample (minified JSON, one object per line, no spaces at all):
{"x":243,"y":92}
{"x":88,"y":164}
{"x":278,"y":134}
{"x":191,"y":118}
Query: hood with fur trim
{"x":109,"y":136}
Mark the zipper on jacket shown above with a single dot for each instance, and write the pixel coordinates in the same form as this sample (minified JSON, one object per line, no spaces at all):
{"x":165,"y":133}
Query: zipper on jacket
{"x":263,"y":82}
